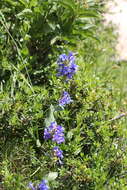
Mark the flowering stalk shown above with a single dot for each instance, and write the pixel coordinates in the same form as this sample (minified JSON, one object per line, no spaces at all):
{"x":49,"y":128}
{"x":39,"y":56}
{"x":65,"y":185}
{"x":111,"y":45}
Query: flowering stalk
{"x":66,"y":65}
{"x":65,"y":99}
{"x":66,"y":68}
{"x":54,"y":132}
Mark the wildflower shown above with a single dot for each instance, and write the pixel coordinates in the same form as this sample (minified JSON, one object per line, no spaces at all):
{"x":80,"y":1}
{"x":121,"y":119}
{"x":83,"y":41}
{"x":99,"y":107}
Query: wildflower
{"x":66,"y":99}
{"x":31,"y":186}
{"x":43,"y":185}
{"x":47,"y":134}
{"x":57,"y":152}
{"x":62,"y":58}
{"x":66,"y":65}
{"x":54,"y":132}
{"x":58,"y":137}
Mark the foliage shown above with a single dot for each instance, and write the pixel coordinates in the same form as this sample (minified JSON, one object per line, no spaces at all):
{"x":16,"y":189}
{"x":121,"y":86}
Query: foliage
{"x":33,"y":34}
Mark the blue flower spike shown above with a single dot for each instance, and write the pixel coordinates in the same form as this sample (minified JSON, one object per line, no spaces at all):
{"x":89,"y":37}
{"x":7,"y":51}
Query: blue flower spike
{"x":54,"y":132}
{"x":57,"y":152}
{"x":66,"y":99}
{"x":66,"y":65}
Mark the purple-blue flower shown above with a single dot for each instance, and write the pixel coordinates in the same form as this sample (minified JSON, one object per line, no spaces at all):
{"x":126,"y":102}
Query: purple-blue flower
{"x":58,"y":137}
{"x":66,"y":65}
{"x":66,"y":99}
{"x":47,"y":134}
{"x":62,"y":58}
{"x":54,"y":132}
{"x":31,"y":186}
{"x":43,"y":185}
{"x":57,"y":152}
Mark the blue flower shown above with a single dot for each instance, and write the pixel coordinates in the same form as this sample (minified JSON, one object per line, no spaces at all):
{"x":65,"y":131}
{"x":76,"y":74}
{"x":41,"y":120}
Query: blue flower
{"x":54,"y":132}
{"x":31,"y":186}
{"x":58,"y":137}
{"x":47,"y":134}
{"x":57,"y":152}
{"x":62,"y":58}
{"x":43,"y":185}
{"x":66,"y":99}
{"x":66,"y":65}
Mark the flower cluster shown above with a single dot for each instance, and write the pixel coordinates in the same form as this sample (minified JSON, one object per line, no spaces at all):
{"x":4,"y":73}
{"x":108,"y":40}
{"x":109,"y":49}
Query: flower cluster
{"x":42,"y":186}
{"x":66,"y":65}
{"x":57,"y":152}
{"x":54,"y":132}
{"x":66,"y":99}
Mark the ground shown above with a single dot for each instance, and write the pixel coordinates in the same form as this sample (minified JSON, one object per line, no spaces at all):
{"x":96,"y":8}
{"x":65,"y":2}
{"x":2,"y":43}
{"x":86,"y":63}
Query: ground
{"x":117,"y":14}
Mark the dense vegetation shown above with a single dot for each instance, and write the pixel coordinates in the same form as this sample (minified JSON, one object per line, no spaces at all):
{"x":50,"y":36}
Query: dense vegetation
{"x":33,"y":34}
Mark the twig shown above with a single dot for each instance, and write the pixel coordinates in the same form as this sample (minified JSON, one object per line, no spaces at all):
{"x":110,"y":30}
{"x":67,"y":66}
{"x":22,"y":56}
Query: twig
{"x":35,"y":171}
{"x":119,"y":116}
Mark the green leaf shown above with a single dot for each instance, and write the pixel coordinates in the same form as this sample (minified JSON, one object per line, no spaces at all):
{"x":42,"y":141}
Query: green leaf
{"x":24,"y":13}
{"x":70,"y":135}
{"x":77,"y":151}
{"x":88,"y":13}
{"x":67,"y":4}
{"x":55,"y":39}
{"x":11,"y":2}
{"x":24,"y":2}
{"x":52,"y":176}
{"x":85,"y":27}
{"x":50,"y":118}
{"x":33,"y":3}
{"x":38,"y":143}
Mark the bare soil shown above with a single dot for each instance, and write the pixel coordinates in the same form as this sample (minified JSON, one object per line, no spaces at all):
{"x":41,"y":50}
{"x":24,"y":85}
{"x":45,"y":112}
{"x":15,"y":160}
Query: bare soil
{"x":117,"y":14}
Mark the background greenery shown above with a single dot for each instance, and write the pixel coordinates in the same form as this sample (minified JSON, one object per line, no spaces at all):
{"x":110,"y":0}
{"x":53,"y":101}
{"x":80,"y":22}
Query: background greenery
{"x":32,"y":35}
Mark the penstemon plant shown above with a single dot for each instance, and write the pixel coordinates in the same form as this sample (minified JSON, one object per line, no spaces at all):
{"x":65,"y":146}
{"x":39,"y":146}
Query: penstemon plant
{"x":54,"y":132}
